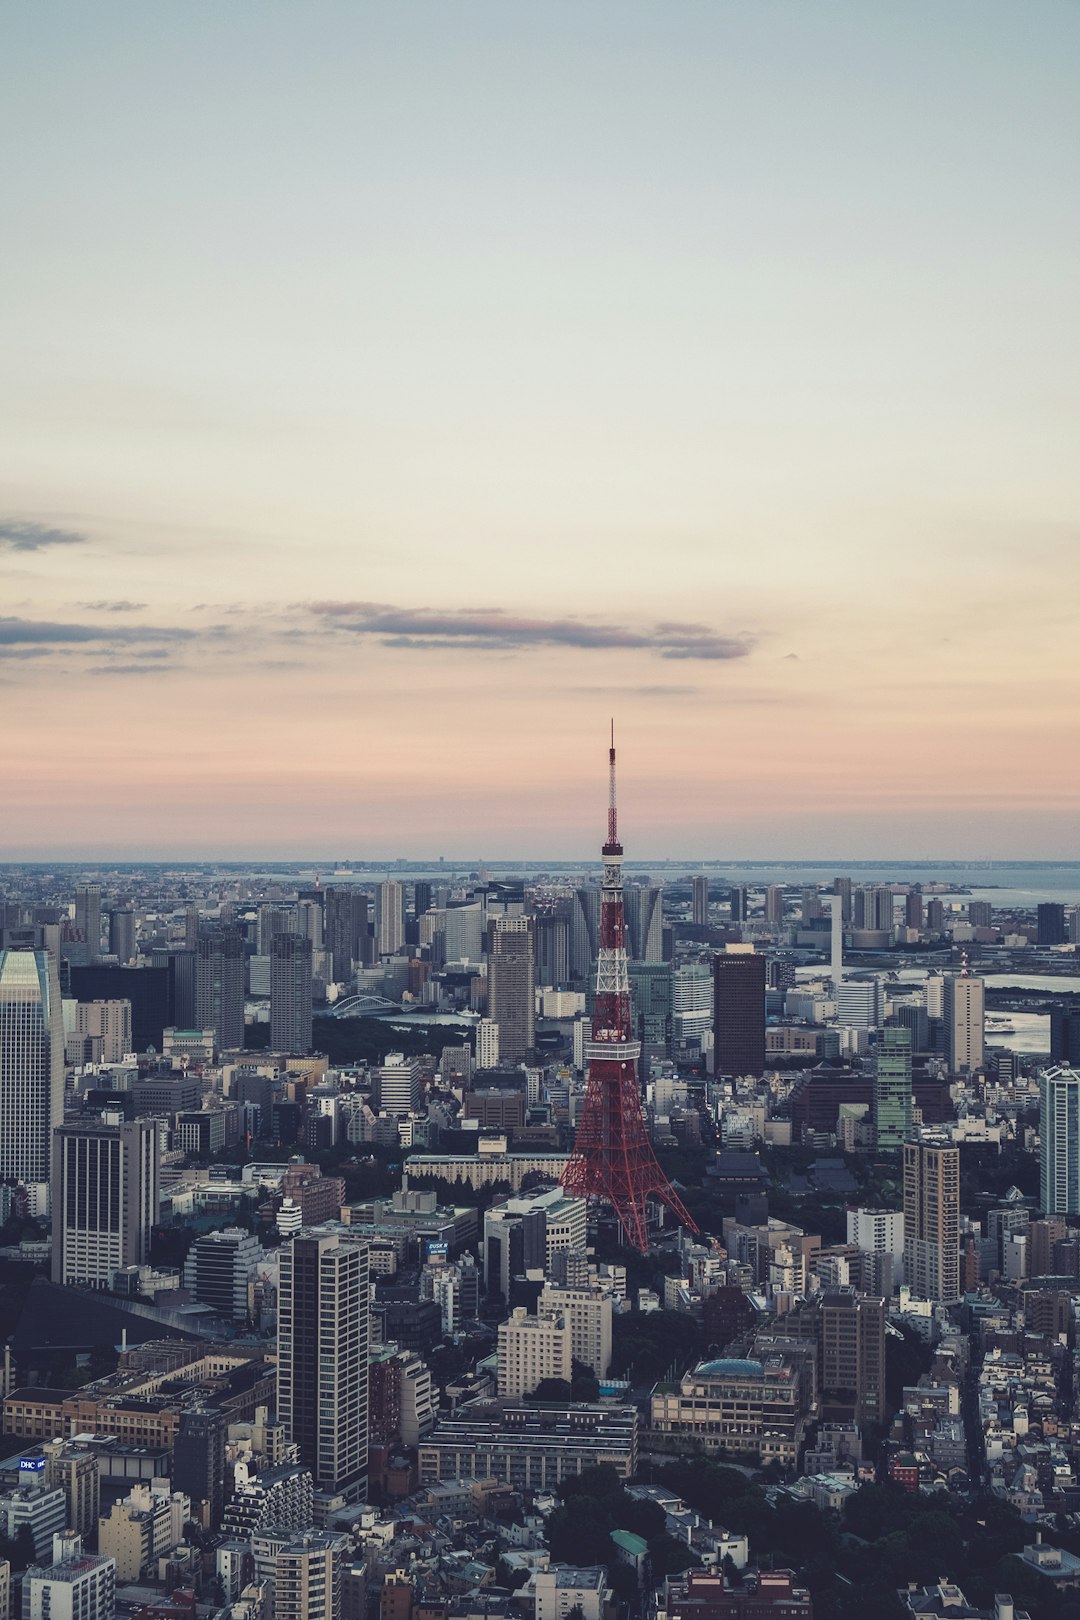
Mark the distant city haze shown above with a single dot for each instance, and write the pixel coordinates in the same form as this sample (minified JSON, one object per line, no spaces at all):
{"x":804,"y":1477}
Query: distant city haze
{"x":392,"y":394}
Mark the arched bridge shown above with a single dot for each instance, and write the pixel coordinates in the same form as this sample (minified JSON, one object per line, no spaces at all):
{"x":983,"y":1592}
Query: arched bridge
{"x":365,"y":1007}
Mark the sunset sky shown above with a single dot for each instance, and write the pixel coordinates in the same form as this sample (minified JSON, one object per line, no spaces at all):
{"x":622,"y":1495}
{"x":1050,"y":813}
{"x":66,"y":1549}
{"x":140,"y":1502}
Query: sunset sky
{"x":391,"y":393}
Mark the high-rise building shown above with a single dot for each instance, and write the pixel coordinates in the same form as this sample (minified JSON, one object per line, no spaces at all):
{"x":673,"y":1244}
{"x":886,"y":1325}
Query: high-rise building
{"x":219,"y":986}
{"x":102,"y":1032}
{"x":644,"y":907}
{"x":699,"y":900}
{"x":552,"y":935}
{"x":31,"y":1065}
{"x":963,"y":1009}
{"x":588,"y":1310}
{"x":122,"y":934}
{"x":1059,"y":1141}
{"x":892,"y":1088}
{"x":390,"y":917}
{"x":843,"y":886}
{"x":274,"y":918}
{"x":913,"y":908}
{"x":738,"y":900}
{"x":851,"y":1369}
{"x":739,"y":1013}
{"x":584,"y":932}
{"x":878,"y":1231}
{"x":512,"y":985}
{"x":935,"y":916}
{"x":532,"y":1349}
{"x":323,"y":1332}
{"x":219,"y":1267}
{"x":487,"y":1044}
{"x":345,"y":929}
{"x":932,"y":1221}
{"x":1050,"y":917}
{"x":88,"y":919}
{"x":980,"y":914}
{"x":290,"y":993}
{"x":774,"y":905}
{"x":651,"y":996}
{"x":104,"y":1198}
{"x":400,"y":1086}
{"x":307,"y":1576}
{"x":198,"y":1465}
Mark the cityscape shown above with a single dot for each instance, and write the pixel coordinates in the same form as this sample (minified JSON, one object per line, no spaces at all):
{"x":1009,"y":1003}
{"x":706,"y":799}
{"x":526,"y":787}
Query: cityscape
{"x":539,"y":881}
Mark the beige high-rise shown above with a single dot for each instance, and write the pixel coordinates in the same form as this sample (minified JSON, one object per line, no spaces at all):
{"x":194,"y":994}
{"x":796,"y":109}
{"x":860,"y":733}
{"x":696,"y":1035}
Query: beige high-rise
{"x":932,"y":1221}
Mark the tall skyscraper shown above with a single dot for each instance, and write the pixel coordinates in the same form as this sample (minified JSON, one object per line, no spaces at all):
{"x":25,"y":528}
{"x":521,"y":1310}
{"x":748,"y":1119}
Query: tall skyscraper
{"x":122,"y":934}
{"x":1059,"y":1141}
{"x":932,"y":1221}
{"x":892,"y":1088}
{"x":843,"y":886}
{"x":699,"y":900}
{"x":584,"y":932}
{"x":104,"y":1199}
{"x":552,"y":933}
{"x":651,"y":997}
{"x":31,"y":1066}
{"x":851,"y":1348}
{"x":345,"y":929}
{"x":423,"y":893}
{"x":1051,"y":924}
{"x":290,"y":993}
{"x":275,"y":919}
{"x":323,"y":1327}
{"x":774,"y":905}
{"x":88,"y":919}
{"x":739,"y":904}
{"x":390,"y":916}
{"x":964,"y":1006}
{"x":913,"y":908}
{"x":512,"y":984}
{"x":219,"y":986}
{"x":739,"y":1013}
{"x":644,"y":907}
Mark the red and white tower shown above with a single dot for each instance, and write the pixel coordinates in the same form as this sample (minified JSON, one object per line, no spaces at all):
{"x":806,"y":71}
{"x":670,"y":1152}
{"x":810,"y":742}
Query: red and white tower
{"x":613,"y":1159}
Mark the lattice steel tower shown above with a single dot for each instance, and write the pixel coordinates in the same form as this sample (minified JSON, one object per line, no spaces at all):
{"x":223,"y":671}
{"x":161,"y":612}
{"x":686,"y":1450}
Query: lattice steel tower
{"x":613,"y":1158}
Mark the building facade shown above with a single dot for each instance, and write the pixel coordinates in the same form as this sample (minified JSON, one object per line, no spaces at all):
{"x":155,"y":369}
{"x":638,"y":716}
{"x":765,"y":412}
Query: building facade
{"x":104,"y":1199}
{"x":932,"y":1221}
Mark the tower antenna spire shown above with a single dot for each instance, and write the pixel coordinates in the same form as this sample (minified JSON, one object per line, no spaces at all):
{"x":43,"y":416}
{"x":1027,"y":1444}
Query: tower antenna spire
{"x":612,"y":814}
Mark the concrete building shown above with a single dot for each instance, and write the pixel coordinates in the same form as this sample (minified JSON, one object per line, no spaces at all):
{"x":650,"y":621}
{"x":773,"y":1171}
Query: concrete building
{"x":31,"y":1066}
{"x":77,"y":1471}
{"x":102,"y":1032}
{"x":699,"y":900}
{"x":532,"y":1348}
{"x":487,"y":1044}
{"x":932,"y":1221}
{"x":565,"y":1587}
{"x":39,"y":1506}
{"x":400,"y":1086}
{"x":589,"y":1313}
{"x":878,"y":1231}
{"x":75,"y":1586}
{"x":147,"y":1525}
{"x":747,"y":1408}
{"x":964,"y":1013}
{"x":307,"y":1575}
{"x":698,"y":1595}
{"x":104,"y":1198}
{"x":530,"y":1448}
{"x":323,"y":1335}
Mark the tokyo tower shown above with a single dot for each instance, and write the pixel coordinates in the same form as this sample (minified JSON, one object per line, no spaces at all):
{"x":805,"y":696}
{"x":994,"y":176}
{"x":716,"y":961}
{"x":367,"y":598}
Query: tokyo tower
{"x":613,"y":1160}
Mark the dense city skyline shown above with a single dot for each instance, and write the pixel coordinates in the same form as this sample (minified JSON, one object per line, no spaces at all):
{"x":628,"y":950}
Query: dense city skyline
{"x":388,"y":398}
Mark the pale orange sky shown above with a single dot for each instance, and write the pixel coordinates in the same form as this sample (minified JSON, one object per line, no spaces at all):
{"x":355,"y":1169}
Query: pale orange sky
{"x":390,"y":395}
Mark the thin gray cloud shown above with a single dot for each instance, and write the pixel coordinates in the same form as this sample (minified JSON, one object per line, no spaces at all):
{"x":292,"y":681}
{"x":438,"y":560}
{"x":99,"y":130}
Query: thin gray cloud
{"x":111,"y":607}
{"x":18,"y":535}
{"x":50,"y":633}
{"x":132,"y":669}
{"x":491,"y":629}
